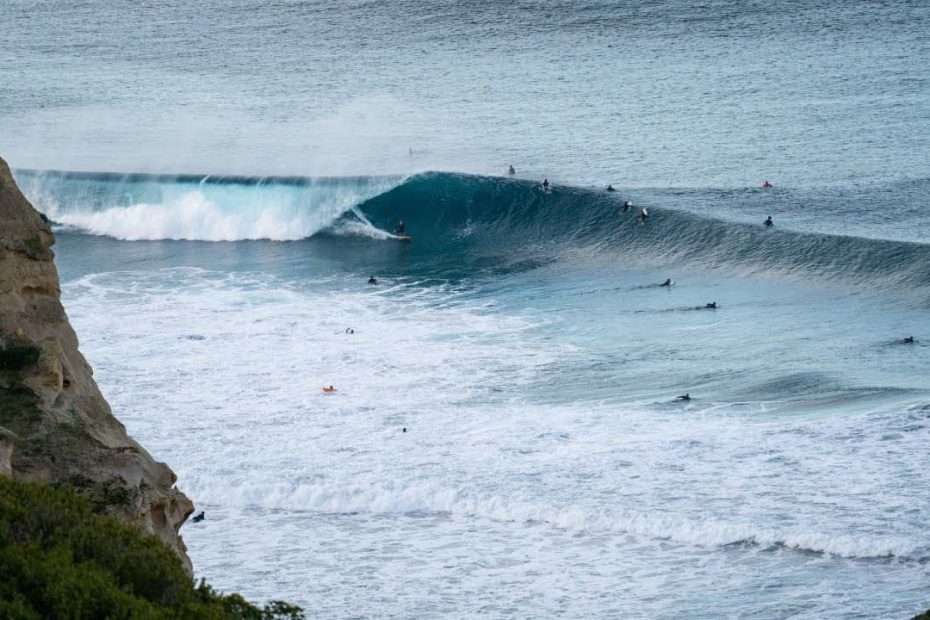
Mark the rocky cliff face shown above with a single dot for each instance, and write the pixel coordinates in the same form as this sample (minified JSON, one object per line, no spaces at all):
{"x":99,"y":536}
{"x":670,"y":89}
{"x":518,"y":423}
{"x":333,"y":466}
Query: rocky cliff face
{"x":55,"y":426}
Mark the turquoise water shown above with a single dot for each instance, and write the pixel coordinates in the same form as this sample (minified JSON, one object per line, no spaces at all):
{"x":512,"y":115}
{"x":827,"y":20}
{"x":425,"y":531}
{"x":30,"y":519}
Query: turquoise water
{"x":505,"y":438}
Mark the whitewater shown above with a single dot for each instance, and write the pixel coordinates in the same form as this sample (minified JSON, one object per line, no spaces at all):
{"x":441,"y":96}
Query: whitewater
{"x":505,"y":439}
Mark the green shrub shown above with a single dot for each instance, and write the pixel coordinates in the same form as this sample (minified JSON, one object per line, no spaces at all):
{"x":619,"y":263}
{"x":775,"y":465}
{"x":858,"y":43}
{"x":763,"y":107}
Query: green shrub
{"x":60,"y":560}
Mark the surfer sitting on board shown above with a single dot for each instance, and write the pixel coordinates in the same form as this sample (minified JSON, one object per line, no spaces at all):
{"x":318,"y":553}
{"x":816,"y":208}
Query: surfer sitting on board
{"x":643,"y":214}
{"x":769,"y":222}
{"x":668,"y":282}
{"x":511,"y":171}
{"x":627,"y":205}
{"x":372,"y":280}
{"x":401,"y":229}
{"x":766,"y":185}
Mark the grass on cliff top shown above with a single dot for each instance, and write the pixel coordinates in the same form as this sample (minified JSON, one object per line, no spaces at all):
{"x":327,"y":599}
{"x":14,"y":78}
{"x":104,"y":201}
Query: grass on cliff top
{"x":60,"y":560}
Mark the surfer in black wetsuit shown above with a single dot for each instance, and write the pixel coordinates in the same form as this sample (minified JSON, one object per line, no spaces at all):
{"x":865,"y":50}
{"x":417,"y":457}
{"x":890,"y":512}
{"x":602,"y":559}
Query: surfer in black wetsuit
{"x":372,"y":280}
{"x":511,"y":171}
{"x":610,"y":188}
{"x":711,"y":306}
{"x":769,"y":221}
{"x":400,"y":229}
{"x":668,"y":282}
{"x":684,"y":397}
{"x":909,"y":340}
{"x":627,"y":205}
{"x":197,"y":518}
{"x":643,"y":214}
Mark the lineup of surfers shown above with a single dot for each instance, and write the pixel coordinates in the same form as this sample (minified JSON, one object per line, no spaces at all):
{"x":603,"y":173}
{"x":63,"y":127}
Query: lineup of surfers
{"x":627,"y":205}
{"x":401,"y":229}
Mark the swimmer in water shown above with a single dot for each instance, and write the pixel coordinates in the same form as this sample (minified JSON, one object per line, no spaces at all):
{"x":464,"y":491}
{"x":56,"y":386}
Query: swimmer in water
{"x":769,"y":221}
{"x":668,"y":282}
{"x":684,"y":397}
{"x":372,"y":280}
{"x":349,"y":330}
{"x":329,"y":390}
{"x":610,"y":188}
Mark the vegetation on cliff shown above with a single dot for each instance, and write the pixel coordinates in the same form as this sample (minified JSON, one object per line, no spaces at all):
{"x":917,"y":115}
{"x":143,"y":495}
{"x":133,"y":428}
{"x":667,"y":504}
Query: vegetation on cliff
{"x":58,"y":559}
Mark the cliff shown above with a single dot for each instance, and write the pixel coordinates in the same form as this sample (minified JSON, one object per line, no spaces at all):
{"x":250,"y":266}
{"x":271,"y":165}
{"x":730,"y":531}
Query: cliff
{"x":55,"y":426}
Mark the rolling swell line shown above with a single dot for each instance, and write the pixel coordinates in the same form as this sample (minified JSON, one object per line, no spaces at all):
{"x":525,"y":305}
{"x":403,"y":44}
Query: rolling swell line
{"x":449,"y":210}
{"x":459,"y":216}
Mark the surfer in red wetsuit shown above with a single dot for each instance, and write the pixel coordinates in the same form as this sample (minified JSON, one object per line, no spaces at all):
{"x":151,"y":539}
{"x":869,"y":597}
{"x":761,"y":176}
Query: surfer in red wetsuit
{"x":766,"y":185}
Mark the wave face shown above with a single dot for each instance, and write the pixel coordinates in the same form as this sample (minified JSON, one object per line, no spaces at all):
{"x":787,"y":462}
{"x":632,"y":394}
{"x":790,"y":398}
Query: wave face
{"x":449,"y":211}
{"x":484,"y":221}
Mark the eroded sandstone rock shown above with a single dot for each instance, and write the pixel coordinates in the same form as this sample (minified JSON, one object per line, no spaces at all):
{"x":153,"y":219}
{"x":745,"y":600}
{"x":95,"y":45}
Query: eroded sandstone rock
{"x":55,"y":426}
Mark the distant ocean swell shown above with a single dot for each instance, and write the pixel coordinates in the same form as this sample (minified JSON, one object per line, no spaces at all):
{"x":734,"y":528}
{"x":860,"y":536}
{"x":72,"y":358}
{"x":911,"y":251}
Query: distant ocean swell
{"x":450,"y":214}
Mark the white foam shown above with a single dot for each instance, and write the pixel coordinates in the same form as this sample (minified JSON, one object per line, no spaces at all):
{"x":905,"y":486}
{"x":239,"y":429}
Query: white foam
{"x":486,"y":471}
{"x":221,"y":213}
{"x":400,"y":497}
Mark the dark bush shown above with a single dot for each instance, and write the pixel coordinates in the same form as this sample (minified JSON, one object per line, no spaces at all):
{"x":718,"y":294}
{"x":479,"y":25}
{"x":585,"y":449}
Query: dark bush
{"x":18,"y":356}
{"x":60,"y":560}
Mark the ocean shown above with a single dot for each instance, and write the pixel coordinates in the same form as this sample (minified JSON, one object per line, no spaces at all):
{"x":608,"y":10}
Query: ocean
{"x":506,"y":438}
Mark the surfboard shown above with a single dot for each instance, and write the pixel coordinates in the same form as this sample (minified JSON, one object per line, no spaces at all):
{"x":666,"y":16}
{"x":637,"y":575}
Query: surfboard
{"x":404,"y":238}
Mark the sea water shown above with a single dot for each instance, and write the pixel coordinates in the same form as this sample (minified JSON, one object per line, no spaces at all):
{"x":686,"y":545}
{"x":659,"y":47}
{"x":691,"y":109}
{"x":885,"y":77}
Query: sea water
{"x":504,"y":439}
